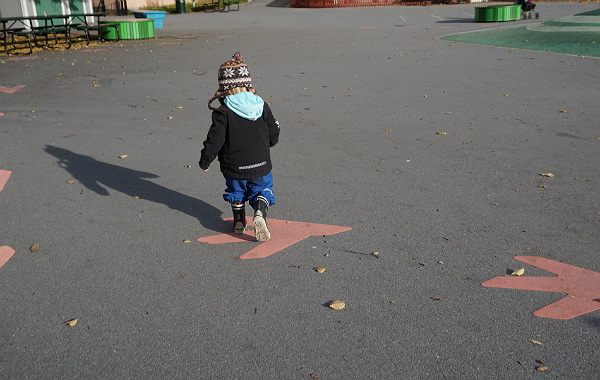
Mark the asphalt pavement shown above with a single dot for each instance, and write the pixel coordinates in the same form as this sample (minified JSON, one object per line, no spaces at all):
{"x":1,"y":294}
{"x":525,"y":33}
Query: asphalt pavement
{"x":431,"y":151}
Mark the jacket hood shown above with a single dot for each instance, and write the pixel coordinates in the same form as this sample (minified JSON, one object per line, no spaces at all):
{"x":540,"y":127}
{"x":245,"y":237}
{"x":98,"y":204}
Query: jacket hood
{"x":246,"y":104}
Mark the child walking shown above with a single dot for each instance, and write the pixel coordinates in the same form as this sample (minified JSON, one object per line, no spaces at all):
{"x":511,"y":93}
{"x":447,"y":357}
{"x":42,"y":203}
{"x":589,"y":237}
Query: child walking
{"x":242,"y":132}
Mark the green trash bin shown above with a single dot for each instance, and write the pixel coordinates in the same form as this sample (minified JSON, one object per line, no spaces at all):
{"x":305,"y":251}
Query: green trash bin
{"x":180,"y":6}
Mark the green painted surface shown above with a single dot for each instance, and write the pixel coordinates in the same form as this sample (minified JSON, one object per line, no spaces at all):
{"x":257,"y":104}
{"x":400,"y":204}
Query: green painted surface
{"x":578,"y":34}
{"x":51,"y":7}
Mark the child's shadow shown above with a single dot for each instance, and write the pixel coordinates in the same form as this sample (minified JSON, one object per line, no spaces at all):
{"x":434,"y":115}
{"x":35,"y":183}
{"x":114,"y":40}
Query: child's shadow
{"x":93,"y":174}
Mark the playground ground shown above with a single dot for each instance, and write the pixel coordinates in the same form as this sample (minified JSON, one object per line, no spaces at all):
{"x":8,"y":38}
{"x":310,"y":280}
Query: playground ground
{"x":456,"y":163}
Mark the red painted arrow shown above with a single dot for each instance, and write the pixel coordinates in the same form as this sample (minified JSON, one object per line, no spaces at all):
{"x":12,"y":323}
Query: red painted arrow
{"x":6,"y":252}
{"x":283,"y":234}
{"x":4,"y":174}
{"x":11,"y":90}
{"x":581,"y":285}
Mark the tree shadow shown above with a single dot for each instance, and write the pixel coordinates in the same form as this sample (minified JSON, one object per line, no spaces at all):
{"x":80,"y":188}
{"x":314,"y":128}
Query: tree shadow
{"x":96,"y":175}
{"x":279,"y":3}
{"x":456,"y":21}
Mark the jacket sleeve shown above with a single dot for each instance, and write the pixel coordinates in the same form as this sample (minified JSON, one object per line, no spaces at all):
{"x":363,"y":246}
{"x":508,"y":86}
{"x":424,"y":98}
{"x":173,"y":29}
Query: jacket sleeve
{"x":214,"y":140}
{"x":273,"y":126}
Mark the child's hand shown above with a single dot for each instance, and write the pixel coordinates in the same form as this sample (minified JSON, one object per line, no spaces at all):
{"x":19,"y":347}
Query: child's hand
{"x":206,"y":169}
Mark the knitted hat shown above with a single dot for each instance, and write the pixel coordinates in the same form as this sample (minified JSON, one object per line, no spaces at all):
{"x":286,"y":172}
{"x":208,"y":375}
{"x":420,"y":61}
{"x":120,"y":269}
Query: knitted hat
{"x":233,"y":73}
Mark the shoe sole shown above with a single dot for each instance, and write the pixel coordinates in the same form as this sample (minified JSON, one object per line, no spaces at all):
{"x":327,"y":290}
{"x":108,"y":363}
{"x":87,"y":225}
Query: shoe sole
{"x":239,"y":228}
{"x":261,"y":232}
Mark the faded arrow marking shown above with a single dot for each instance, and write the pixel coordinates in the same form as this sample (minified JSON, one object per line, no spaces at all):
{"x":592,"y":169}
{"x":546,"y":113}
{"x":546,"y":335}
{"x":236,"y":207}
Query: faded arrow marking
{"x":283,"y":234}
{"x":581,"y":285}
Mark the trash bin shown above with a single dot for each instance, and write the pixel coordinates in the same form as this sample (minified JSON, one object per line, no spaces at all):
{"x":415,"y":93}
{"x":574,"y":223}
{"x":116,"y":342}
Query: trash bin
{"x":180,"y":6}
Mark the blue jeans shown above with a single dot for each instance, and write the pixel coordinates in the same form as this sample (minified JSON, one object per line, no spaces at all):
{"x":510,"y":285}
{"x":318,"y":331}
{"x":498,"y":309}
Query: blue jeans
{"x":242,"y":190}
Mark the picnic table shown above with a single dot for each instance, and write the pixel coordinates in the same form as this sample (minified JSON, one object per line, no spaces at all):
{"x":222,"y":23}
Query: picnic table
{"x":27,"y":26}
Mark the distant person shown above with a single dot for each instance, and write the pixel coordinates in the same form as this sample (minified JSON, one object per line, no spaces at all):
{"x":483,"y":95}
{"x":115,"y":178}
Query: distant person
{"x":242,"y":132}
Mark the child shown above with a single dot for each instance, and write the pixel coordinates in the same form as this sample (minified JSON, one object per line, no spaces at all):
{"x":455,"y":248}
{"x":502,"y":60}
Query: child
{"x":243,"y":130}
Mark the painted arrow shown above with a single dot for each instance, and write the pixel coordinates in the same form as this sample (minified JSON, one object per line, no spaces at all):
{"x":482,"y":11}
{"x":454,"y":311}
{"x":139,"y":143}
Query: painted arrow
{"x":11,"y":90}
{"x":283,"y":234}
{"x":581,"y":285}
{"x":4,"y":174}
{"x":6,"y":252}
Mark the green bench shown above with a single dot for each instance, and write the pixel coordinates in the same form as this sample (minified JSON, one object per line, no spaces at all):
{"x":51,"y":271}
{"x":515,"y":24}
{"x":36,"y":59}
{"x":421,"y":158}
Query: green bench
{"x":224,"y":5}
{"x":86,"y":28}
{"x":41,"y":31}
{"x":79,"y":22}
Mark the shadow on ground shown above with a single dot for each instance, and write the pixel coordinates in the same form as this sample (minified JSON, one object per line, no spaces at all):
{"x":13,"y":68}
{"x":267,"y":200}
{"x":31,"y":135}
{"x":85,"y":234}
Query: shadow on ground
{"x":96,"y":175}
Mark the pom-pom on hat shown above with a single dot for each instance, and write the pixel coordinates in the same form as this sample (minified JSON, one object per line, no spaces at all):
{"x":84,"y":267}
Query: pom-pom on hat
{"x":233,"y":73}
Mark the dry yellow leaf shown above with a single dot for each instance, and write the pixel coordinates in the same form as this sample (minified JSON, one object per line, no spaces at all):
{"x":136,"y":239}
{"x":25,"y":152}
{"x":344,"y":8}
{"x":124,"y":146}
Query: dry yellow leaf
{"x":541,"y":368}
{"x":34,"y":247}
{"x":170,"y":117}
{"x":542,"y":186}
{"x":441,"y":133}
{"x":518,"y":272}
{"x":70,"y":182}
{"x":135,"y":197}
{"x":178,"y":108}
{"x":123,"y":156}
{"x":550,"y":175}
{"x":534,"y":341}
{"x":71,"y":322}
{"x":320,"y":270}
{"x":337,"y":305}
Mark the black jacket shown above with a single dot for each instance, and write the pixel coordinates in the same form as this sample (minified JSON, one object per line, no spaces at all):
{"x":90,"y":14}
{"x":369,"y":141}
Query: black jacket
{"x":242,"y":145}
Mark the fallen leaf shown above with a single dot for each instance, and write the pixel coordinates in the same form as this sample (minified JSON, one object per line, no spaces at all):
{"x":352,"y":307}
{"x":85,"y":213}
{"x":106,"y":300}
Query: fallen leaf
{"x":70,"y":182}
{"x":314,"y":377}
{"x":534,"y":341}
{"x":337,"y":305}
{"x":187,"y":241}
{"x":178,"y":108}
{"x":441,"y":133}
{"x":495,"y":204}
{"x":518,"y":272}
{"x":320,"y":270}
{"x":564,"y":111}
{"x":550,"y":175}
{"x":123,"y":156}
{"x":71,"y":322}
{"x":541,"y":368}
{"x":135,"y":197}
{"x":34,"y":247}
{"x":436,"y":299}
{"x":170,"y":117}
{"x":255,"y":311}
{"x":542,"y":186}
